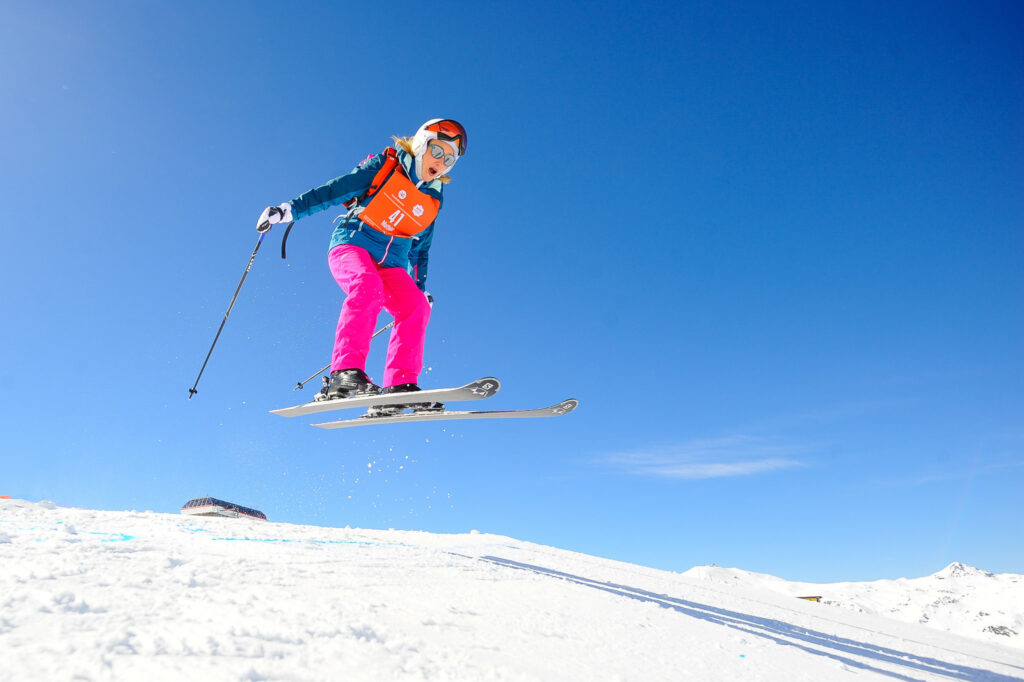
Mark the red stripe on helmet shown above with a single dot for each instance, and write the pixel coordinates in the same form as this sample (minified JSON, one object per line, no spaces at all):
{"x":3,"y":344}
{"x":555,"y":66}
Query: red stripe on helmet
{"x":450,"y":130}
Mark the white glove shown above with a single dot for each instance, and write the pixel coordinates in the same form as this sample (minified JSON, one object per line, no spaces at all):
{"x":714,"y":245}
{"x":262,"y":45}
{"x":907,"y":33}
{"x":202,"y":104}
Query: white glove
{"x":272,"y":215}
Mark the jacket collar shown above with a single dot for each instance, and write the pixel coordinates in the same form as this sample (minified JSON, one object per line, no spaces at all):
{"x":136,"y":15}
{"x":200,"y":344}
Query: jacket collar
{"x":408,"y":162}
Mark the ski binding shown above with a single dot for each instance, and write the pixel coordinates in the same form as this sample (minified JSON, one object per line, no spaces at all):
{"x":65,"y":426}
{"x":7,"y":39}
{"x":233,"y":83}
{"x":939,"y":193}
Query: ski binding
{"x":474,"y":390}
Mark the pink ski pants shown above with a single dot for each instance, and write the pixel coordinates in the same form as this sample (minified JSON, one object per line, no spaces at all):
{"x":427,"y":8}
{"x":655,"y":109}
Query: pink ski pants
{"x":369,"y":287}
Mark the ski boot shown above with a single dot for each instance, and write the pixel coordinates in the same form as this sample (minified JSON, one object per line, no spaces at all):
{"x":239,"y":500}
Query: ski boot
{"x":347,"y":383}
{"x":392,"y":410}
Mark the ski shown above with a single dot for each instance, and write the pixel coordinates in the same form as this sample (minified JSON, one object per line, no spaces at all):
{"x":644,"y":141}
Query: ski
{"x":562,"y":408}
{"x":474,"y":390}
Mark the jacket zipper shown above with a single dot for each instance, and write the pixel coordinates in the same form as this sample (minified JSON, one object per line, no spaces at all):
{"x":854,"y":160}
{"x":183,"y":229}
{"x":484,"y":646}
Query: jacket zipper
{"x":386,"y":249}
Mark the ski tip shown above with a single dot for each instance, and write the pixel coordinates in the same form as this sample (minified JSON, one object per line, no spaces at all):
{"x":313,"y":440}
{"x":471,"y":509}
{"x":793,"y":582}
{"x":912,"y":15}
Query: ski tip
{"x":484,"y":388}
{"x":565,"y":407}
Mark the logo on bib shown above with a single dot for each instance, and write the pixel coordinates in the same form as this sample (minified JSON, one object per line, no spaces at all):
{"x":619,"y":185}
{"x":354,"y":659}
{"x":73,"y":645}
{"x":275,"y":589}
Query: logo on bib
{"x":402,"y":194}
{"x":417,"y":210}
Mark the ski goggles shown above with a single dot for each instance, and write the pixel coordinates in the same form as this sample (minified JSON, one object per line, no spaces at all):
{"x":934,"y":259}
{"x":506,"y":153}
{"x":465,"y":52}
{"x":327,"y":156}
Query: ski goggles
{"x":449,"y":131}
{"x":438,"y":152}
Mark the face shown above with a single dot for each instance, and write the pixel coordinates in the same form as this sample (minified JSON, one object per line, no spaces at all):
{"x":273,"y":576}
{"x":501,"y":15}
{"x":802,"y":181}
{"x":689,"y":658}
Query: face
{"x":432,"y":168}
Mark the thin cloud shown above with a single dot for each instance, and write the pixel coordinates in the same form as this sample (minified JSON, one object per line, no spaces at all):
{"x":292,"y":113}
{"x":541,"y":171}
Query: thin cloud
{"x":707,"y":458}
{"x":964,"y":471}
{"x":922,"y":479}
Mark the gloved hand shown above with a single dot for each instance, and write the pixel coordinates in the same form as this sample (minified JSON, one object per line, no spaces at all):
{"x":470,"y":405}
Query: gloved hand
{"x":430,"y":299}
{"x":272,"y":215}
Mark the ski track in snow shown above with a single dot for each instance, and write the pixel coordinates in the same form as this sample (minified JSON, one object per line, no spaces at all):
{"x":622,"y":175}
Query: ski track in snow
{"x":97,"y":595}
{"x":959,"y":599}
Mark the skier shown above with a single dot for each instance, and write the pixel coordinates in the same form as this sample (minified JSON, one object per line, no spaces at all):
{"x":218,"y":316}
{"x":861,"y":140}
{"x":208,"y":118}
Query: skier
{"x":379,"y":255}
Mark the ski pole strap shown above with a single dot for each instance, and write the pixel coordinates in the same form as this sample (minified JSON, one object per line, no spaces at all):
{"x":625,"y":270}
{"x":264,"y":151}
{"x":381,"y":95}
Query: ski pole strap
{"x":284,"y":239}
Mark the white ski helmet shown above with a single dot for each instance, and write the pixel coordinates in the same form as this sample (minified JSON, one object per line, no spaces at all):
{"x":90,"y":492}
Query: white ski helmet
{"x":443,"y":129}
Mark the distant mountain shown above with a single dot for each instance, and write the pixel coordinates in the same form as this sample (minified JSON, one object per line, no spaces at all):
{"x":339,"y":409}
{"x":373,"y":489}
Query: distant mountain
{"x":960,"y":599}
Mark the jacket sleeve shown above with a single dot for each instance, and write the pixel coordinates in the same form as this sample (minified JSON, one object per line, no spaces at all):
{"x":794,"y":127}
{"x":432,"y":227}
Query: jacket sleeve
{"x":419,"y":257}
{"x":337,"y":191}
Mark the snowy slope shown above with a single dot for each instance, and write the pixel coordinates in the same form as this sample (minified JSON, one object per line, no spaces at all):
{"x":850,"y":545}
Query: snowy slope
{"x":97,"y":595}
{"x":959,"y":598}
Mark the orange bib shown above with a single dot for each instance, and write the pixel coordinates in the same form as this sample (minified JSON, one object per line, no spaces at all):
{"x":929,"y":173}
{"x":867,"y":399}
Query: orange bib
{"x":399,"y":209}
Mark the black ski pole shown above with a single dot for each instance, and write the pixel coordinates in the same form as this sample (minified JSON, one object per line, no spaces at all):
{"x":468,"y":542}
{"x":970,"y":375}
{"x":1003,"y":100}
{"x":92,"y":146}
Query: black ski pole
{"x":192,"y":391}
{"x":326,"y":367}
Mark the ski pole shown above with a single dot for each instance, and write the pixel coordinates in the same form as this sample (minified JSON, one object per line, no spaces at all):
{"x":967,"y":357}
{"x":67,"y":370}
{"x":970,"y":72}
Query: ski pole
{"x":326,"y":367}
{"x":192,"y":391}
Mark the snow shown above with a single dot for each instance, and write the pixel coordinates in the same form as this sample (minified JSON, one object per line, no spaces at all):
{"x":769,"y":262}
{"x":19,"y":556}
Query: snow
{"x":961,"y":599}
{"x":103,"y":595}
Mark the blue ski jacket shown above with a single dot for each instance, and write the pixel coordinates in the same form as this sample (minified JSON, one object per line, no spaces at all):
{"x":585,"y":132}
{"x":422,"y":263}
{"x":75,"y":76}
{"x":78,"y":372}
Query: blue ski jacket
{"x":410,"y":253}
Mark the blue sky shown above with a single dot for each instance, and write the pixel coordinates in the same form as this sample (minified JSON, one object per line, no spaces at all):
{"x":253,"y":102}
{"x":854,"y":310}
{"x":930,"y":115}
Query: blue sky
{"x":775,"y":253}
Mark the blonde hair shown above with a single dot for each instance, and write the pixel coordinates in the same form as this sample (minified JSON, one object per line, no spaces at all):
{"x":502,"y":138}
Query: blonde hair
{"x":405,"y":144}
